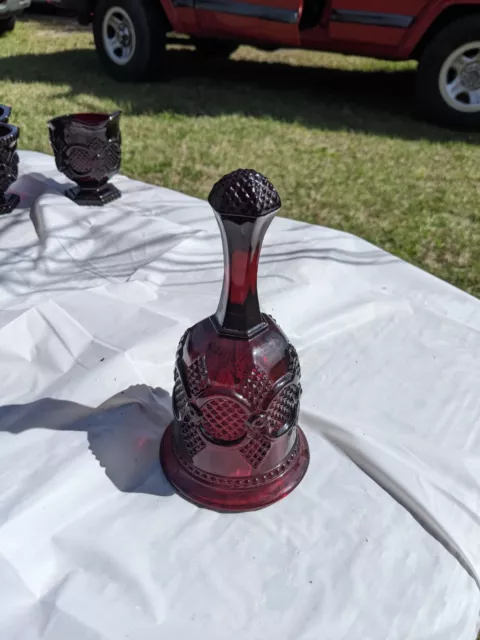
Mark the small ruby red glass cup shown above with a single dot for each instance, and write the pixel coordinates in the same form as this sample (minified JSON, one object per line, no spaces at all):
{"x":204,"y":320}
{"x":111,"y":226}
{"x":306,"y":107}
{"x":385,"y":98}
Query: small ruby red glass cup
{"x":235,"y":443}
{"x":8,"y":166}
{"x":87,"y":149}
{"x":5,"y":113}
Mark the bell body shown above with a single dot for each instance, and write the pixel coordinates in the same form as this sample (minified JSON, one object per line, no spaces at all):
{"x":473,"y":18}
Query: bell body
{"x":235,"y":443}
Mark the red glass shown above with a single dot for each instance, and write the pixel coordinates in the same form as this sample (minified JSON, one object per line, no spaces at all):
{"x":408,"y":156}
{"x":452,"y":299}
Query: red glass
{"x":5,"y":113}
{"x":8,"y":166}
{"x":234,"y":443}
{"x":87,"y":149}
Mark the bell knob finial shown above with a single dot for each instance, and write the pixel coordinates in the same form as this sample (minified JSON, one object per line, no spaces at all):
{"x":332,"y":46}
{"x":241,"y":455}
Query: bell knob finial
{"x":244,"y":192}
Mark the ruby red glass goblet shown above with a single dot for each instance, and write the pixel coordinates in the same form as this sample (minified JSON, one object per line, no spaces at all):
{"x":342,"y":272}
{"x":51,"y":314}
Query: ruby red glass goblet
{"x":8,"y":166}
{"x":235,"y":443}
{"x":87,"y":149}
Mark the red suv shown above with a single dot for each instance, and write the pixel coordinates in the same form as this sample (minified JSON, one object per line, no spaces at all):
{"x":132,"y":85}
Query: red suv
{"x":443,"y":35}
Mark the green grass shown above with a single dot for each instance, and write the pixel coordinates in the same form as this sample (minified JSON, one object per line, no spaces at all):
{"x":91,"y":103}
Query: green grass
{"x":336,"y":135}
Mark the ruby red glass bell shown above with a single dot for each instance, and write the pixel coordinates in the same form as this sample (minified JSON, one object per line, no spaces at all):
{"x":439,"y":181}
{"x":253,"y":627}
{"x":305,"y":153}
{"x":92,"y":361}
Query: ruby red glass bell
{"x":235,"y":443}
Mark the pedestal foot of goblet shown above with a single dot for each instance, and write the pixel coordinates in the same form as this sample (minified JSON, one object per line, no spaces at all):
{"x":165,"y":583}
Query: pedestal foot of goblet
{"x":94,"y":197}
{"x":226,"y":494}
{"x":8,"y":202}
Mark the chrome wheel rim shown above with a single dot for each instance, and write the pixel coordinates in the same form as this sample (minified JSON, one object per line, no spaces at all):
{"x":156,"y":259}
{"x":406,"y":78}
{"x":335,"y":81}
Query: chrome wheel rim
{"x":459,"y":79}
{"x":118,"y":33}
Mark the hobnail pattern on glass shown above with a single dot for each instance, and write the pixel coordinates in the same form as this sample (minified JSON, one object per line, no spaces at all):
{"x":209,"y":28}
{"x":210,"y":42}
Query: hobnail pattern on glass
{"x":256,"y":450}
{"x":235,"y":444}
{"x":256,"y":387}
{"x":192,"y":439}
{"x":197,"y":376}
{"x":244,"y":482}
{"x":283,"y":409}
{"x":224,"y":419}
{"x":244,"y":192}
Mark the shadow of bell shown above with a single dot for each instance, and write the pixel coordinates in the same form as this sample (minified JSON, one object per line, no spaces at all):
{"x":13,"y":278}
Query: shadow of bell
{"x":124,"y":433}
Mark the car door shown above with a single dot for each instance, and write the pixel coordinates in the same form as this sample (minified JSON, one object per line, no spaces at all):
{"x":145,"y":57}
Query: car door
{"x":382,"y":22}
{"x":268,"y":21}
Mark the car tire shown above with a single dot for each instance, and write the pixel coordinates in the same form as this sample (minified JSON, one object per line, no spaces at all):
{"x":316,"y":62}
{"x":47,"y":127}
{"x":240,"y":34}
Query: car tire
{"x":130,"y":38}
{"x":7,"y":25}
{"x":210,"y":48}
{"x":448,"y":78}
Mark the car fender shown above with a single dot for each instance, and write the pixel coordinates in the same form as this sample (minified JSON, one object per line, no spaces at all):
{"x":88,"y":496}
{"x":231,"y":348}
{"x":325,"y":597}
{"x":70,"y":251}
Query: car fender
{"x":426,"y":19}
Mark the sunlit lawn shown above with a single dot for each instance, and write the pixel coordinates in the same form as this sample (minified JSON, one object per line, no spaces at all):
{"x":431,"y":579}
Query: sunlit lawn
{"x":336,"y":135}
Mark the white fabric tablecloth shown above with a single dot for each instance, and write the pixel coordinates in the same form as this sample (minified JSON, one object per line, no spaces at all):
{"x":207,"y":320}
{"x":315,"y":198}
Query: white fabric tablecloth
{"x":381,"y":541}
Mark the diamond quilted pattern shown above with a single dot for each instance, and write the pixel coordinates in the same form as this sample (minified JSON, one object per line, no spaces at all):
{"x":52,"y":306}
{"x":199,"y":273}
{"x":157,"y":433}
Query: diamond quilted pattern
{"x":80,"y":160}
{"x":197,"y":376}
{"x":113,"y":156}
{"x":192,"y":439}
{"x":8,"y":170}
{"x":256,"y":387}
{"x":224,"y":419}
{"x":244,"y":192}
{"x":180,"y":396}
{"x":294,"y":366}
{"x":255,"y":451}
{"x":181,"y":344}
{"x":282,"y":409}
